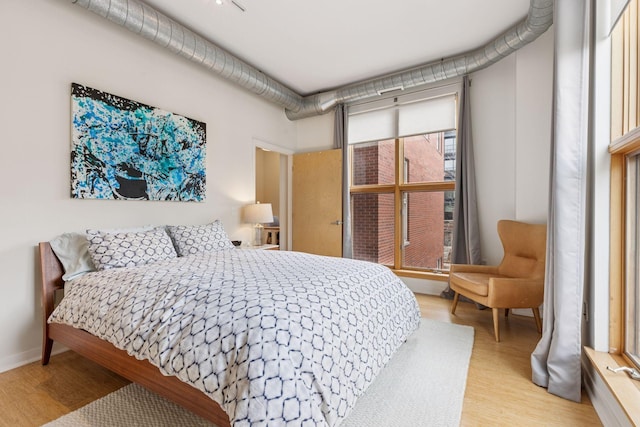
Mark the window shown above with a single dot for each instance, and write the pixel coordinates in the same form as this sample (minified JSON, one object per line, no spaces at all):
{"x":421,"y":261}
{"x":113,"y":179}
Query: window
{"x":632,"y":270}
{"x":624,"y":338}
{"x":625,"y":249}
{"x":403,"y":184}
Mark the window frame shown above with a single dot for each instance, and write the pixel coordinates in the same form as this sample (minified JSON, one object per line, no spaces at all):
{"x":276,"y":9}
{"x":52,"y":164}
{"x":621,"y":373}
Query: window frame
{"x":625,"y":137}
{"x":620,"y":150}
{"x":399,"y":188}
{"x":393,"y":103}
{"x":405,"y":205}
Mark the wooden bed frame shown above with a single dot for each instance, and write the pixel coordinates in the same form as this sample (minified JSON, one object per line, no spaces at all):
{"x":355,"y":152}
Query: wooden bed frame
{"x":110,"y":357}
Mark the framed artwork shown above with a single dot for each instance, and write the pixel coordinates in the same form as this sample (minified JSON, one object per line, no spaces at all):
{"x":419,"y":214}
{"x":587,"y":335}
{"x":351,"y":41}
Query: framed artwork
{"x":122,"y":149}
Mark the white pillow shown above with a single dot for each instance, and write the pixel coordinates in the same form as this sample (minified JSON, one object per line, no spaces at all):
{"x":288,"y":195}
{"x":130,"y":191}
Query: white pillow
{"x":72,"y":249}
{"x":129,"y":249}
{"x":193,"y":239}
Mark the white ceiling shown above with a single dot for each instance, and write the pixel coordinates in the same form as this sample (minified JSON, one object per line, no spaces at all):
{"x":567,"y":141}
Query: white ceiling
{"x":315,"y":46}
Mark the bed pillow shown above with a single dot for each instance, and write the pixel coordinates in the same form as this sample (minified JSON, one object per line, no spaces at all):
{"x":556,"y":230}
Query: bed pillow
{"x":193,"y":239}
{"x":129,"y":249}
{"x":72,"y":249}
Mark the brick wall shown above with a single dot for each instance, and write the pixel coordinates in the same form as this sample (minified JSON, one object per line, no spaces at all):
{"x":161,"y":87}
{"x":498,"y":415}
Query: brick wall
{"x":426,"y":210}
{"x":426,"y":230}
{"x":373,"y":226}
{"x":386,"y":228}
{"x":365,"y":157}
{"x":365,"y":226}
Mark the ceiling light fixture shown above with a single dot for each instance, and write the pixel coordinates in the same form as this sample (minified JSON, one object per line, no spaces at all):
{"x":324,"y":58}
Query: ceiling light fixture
{"x":219,"y":2}
{"x":238,"y":5}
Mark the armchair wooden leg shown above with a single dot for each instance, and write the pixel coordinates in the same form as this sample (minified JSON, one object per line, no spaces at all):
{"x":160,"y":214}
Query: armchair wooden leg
{"x":496,"y":330}
{"x":454,"y":303}
{"x":536,"y":316}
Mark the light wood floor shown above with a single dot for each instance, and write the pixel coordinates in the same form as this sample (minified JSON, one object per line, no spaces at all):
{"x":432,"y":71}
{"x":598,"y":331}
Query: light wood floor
{"x":499,"y":388}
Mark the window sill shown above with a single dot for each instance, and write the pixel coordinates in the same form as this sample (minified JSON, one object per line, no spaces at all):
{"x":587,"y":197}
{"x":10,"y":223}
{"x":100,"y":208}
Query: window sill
{"x":625,"y":390}
{"x":440,"y":277}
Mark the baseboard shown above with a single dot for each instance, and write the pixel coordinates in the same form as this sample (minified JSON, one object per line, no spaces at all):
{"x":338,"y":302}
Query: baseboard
{"x":424,"y":286}
{"x":527,"y":312}
{"x":16,"y":360}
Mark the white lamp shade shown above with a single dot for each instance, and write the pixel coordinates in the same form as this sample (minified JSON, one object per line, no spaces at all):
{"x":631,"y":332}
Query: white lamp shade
{"x":260,"y":213}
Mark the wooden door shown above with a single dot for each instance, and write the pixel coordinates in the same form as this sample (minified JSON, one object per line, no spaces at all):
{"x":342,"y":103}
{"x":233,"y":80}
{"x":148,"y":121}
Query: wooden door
{"x":317,"y":203}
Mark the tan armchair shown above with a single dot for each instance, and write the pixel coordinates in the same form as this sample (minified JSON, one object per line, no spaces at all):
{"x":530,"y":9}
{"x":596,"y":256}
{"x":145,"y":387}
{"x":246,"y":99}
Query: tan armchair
{"x":518,"y":282}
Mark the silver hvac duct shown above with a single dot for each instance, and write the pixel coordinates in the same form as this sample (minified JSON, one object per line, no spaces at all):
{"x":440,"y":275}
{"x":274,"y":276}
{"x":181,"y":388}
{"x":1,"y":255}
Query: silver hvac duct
{"x":143,"y":20}
{"x":153,"y":25}
{"x":538,"y":20}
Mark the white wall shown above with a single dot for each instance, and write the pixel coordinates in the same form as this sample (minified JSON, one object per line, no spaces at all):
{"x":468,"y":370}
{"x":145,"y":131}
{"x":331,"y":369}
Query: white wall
{"x":493,"y":103}
{"x":534,"y":99}
{"x":315,"y":133}
{"x":511,"y":113}
{"x":46,"y":45}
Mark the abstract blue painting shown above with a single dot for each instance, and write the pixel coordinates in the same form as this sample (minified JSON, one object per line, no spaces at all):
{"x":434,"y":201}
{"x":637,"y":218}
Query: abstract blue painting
{"x":122,"y":149}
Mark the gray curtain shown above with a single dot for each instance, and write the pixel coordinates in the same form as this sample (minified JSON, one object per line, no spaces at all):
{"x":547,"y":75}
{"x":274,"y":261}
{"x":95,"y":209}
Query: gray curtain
{"x":340,"y":141}
{"x":466,"y":231}
{"x":556,"y":360}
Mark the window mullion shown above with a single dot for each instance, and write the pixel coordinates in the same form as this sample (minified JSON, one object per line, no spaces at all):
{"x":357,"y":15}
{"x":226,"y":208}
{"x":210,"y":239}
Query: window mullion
{"x":397,"y":250}
{"x":374,"y":188}
{"x":617,"y":253}
{"x":429,"y":186}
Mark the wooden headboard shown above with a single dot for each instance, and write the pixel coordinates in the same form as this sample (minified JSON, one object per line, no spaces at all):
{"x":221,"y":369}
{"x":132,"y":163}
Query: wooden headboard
{"x":52,"y":272}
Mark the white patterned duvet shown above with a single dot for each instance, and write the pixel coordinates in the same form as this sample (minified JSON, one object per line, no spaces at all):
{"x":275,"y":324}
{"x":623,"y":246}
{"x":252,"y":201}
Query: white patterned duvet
{"x":276,"y":338}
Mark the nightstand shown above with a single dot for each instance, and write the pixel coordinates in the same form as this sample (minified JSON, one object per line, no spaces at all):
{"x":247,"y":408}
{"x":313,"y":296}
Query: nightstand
{"x":262,"y":247}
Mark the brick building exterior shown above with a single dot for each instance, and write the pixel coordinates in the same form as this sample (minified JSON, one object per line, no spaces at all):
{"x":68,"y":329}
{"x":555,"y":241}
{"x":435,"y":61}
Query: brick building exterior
{"x":428,"y":228}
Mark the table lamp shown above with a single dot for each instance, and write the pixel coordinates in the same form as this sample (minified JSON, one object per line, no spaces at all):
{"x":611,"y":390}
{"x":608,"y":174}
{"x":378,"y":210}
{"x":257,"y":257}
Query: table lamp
{"x":258,"y":214}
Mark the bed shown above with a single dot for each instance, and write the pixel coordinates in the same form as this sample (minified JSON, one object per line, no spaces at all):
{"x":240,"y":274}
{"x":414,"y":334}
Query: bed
{"x":239,"y":337}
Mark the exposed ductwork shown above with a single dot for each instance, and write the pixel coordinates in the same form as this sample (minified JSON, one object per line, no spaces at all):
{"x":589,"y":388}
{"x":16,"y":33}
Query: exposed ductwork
{"x":538,"y":20}
{"x":142,"y":19}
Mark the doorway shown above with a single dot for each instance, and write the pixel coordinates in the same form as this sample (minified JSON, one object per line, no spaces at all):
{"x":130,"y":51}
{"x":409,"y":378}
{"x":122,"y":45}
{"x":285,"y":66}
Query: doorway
{"x":271,"y":186}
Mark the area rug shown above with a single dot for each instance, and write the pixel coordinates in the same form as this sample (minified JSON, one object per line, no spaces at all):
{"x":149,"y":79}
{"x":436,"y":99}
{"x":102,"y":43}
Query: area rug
{"x":423,"y":385}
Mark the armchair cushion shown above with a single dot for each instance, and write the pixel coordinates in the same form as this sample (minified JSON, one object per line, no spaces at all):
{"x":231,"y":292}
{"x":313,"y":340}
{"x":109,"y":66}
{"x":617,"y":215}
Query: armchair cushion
{"x":471,"y":268}
{"x":515,"y":293}
{"x":476,"y":283}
